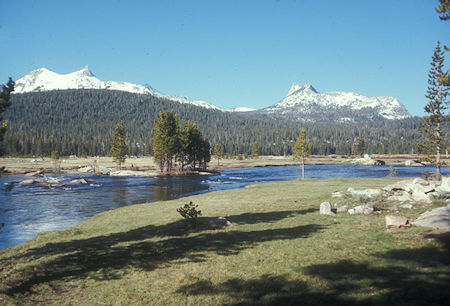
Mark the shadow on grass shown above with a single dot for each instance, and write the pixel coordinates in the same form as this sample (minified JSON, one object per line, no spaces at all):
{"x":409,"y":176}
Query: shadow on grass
{"x":264,"y":217}
{"x":102,"y":257}
{"x":406,"y":277}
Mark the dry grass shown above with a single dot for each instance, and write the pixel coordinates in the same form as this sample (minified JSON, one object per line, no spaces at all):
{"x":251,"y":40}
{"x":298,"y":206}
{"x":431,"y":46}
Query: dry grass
{"x":278,"y":250}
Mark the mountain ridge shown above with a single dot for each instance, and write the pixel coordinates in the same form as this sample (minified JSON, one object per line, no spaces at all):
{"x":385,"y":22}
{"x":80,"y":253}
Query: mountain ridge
{"x":302,"y":103}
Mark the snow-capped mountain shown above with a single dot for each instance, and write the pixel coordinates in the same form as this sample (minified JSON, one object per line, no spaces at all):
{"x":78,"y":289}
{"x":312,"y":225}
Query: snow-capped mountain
{"x":43,"y":79}
{"x":306,"y":102}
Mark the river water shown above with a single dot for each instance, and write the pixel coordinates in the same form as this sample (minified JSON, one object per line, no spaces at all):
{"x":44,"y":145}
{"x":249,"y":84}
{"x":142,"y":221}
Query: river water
{"x":33,"y":209}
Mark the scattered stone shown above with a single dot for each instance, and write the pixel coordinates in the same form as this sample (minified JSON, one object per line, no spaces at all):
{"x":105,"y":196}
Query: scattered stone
{"x":326,"y":209}
{"x":219,"y":222}
{"x":407,"y":206}
{"x":337,"y":194}
{"x":438,"y":218}
{"x":363,"y":209}
{"x":28,"y":182}
{"x":342,"y":208}
{"x":78,"y":181}
{"x":131,"y":173}
{"x":400,"y":196}
{"x":100,"y":170}
{"x":413,"y":163}
{"x":364,"y":194}
{"x":86,"y":169}
{"x":35,"y":173}
{"x":396,"y":221}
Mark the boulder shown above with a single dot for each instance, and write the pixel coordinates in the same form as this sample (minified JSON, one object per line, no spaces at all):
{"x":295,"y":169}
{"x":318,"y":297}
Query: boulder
{"x":444,"y":187}
{"x":100,"y":170}
{"x":326,"y":209}
{"x":407,"y":206}
{"x":342,"y":208}
{"x":219,"y":222}
{"x":438,"y":218}
{"x":35,"y":173}
{"x":364,"y":194}
{"x":401,"y":185}
{"x":363,"y":209}
{"x":29,"y":182}
{"x":86,"y":169}
{"x":413,"y":163}
{"x":396,"y":221}
{"x":337,"y":194}
{"x":400,"y":196}
{"x":78,"y":181}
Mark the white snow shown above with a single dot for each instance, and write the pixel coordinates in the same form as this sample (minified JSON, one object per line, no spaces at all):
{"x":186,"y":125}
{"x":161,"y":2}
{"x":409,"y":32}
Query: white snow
{"x":240,"y":110}
{"x":305,"y":97}
{"x":43,"y":79}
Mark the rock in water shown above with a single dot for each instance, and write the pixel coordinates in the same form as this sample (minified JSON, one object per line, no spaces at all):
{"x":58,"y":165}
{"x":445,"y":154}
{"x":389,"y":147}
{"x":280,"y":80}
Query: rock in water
{"x":396,"y":221}
{"x":326,"y":209}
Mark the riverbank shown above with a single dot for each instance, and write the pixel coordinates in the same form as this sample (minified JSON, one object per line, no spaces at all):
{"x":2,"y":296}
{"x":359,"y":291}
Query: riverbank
{"x":145,"y":165}
{"x":278,"y":249}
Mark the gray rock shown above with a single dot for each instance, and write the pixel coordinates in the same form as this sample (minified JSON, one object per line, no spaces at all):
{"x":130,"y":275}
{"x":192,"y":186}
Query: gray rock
{"x":365,"y":194}
{"x":102,"y":170}
{"x":407,"y":206}
{"x":438,"y":218}
{"x":35,"y":173}
{"x":396,"y":221}
{"x":413,"y":163}
{"x":342,"y":208}
{"x":363,"y":209}
{"x":337,"y":194}
{"x":326,"y":209}
{"x":219,"y":222}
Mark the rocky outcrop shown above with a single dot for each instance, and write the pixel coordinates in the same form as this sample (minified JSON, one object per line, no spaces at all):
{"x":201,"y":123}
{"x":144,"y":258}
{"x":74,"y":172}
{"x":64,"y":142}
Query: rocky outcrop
{"x":132,"y":173}
{"x":413,"y":163}
{"x":367,"y":160}
{"x":438,"y":218}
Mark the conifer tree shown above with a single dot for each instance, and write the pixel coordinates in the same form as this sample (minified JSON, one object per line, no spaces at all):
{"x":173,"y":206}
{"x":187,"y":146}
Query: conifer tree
{"x":360,"y":146}
{"x":218,"y":151}
{"x":255,"y":150}
{"x":301,"y":150}
{"x":432,"y":125}
{"x":444,"y":9}
{"x":5,"y":95}
{"x":118,"y":145}
{"x":165,"y":140}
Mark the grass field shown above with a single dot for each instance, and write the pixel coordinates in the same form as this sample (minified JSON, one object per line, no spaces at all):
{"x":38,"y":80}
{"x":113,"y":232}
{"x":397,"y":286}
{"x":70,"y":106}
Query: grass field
{"x":278,"y":250}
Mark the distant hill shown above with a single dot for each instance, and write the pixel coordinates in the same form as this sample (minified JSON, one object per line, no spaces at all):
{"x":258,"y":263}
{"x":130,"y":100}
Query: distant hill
{"x":81,"y":122}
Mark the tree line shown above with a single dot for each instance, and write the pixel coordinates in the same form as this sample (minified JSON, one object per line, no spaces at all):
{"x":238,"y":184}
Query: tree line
{"x":81,"y":122}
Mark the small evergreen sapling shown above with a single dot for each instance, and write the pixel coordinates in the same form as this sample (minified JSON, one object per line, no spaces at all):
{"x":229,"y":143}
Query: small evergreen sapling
{"x":190,"y":212}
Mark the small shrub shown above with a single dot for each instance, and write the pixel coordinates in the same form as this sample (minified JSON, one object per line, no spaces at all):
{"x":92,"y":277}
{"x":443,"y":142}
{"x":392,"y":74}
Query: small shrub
{"x":189,"y":212}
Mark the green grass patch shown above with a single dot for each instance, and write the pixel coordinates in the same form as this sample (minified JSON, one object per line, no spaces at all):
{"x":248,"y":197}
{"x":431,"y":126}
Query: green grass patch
{"x":278,"y":250}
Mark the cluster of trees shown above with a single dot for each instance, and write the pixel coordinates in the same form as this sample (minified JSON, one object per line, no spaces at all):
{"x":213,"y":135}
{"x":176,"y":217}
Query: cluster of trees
{"x":178,"y":145}
{"x":81,"y":122}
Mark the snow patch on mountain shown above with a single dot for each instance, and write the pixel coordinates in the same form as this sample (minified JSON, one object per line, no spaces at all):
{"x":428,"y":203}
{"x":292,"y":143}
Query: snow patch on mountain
{"x":240,"y":110}
{"x":43,"y":79}
{"x":303,"y":99}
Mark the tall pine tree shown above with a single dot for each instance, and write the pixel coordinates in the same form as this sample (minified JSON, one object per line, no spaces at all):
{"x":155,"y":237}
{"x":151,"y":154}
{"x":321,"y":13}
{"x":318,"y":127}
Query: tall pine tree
{"x":118,"y":145}
{"x":165,"y":140}
{"x":431,"y":126}
{"x":5,"y":95}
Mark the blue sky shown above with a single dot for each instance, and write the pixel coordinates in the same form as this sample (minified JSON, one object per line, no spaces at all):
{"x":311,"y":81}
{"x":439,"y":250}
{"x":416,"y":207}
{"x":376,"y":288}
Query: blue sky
{"x":230,"y":53}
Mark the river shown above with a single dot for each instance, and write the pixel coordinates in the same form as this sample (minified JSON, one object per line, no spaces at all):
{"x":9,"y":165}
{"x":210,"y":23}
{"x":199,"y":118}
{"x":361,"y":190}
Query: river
{"x":33,"y":209}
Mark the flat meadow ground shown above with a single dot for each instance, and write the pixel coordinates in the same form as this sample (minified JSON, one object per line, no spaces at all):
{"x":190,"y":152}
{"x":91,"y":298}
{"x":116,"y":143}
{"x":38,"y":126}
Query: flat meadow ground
{"x":278,"y":250}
